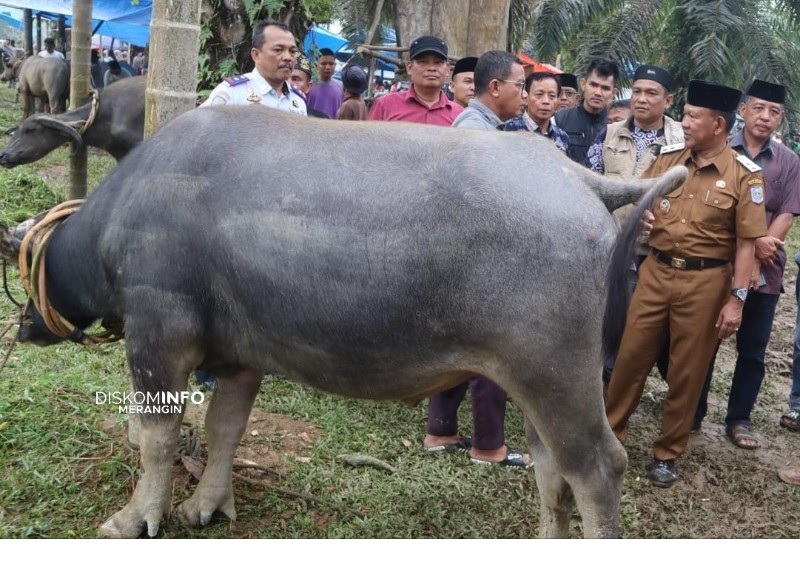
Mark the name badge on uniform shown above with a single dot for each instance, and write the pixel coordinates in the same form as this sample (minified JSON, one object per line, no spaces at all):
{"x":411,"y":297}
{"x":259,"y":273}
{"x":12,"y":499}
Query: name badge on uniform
{"x":664,"y":206}
{"x":757,"y":194}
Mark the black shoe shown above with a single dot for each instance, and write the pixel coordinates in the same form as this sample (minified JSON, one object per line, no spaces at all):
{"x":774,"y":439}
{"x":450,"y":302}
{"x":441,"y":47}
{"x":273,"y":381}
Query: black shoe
{"x":662,"y":473}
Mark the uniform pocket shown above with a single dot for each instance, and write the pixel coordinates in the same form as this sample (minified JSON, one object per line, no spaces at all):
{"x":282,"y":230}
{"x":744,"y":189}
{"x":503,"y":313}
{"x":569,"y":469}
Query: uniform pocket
{"x":717,"y":211}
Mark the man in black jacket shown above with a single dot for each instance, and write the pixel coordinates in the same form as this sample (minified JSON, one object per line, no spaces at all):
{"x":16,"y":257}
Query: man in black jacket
{"x":583,"y":122}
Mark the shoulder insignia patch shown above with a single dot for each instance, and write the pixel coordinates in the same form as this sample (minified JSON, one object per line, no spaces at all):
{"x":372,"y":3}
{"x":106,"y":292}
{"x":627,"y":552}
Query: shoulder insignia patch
{"x":748,"y":163}
{"x":298,"y":93}
{"x":236,"y":80}
{"x":672,"y":148}
{"x":757,"y":194}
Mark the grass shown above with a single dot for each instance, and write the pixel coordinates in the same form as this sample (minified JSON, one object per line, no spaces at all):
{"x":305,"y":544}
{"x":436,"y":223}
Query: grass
{"x":65,"y":467}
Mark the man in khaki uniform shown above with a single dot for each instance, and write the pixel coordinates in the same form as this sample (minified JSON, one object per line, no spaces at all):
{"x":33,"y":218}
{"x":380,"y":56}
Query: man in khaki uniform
{"x":626,"y":149}
{"x":685,"y":288}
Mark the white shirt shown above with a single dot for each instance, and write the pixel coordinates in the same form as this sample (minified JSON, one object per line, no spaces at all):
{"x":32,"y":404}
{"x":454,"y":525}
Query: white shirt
{"x":56,"y":54}
{"x":252,"y":88}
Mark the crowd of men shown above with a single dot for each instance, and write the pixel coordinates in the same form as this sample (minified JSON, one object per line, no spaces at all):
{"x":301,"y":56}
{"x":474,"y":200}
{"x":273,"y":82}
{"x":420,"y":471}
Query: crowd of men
{"x":711,"y":256}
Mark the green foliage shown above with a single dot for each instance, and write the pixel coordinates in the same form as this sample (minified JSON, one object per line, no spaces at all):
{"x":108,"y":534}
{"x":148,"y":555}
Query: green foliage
{"x":726,"y":41}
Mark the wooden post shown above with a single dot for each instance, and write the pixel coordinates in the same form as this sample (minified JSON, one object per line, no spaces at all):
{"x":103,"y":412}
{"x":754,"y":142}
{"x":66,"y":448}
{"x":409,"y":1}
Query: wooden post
{"x":172,"y":66}
{"x":27,"y":25}
{"x":81,"y":69}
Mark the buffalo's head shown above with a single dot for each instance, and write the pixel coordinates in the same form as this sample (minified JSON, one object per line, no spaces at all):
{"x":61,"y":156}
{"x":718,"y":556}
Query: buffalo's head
{"x":32,"y":328}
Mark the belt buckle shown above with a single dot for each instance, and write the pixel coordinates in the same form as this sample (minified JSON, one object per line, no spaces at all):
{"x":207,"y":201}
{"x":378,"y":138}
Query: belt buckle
{"x":679,"y":263}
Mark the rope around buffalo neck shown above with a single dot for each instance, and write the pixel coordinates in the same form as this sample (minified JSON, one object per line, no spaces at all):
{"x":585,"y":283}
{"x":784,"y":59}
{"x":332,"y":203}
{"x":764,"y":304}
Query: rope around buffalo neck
{"x":33,"y":277}
{"x":92,"y":112}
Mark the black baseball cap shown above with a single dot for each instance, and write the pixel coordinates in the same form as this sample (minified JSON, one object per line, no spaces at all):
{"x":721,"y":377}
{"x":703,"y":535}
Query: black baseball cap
{"x":427,"y":44}
{"x":354,"y":79}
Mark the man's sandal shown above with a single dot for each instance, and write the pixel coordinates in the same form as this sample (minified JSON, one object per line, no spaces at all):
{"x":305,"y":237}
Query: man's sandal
{"x":741,"y":436}
{"x":513,"y":460}
{"x":463,"y":445}
{"x":791,"y":420}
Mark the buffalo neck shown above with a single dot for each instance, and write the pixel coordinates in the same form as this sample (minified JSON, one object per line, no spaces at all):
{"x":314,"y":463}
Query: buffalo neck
{"x":76,"y":282}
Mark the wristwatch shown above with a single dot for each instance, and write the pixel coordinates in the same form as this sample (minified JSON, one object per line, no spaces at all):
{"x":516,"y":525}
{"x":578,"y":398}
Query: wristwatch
{"x":739,"y":293}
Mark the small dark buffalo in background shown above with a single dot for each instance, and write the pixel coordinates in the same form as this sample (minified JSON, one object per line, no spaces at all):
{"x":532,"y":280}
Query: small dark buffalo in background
{"x":46,"y":78}
{"x":11,"y":59}
{"x":117,"y":127}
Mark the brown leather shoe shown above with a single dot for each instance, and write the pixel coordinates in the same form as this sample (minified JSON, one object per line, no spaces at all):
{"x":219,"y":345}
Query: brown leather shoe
{"x":790,"y":475}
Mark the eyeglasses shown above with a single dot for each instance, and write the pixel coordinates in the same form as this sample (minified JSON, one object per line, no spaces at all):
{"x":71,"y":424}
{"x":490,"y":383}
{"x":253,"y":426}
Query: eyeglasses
{"x":520,"y":84}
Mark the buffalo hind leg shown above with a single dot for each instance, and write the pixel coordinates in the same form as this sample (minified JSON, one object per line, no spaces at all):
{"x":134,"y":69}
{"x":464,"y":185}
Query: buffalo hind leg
{"x":573,"y":446}
{"x":554,"y":491}
{"x":226,"y":421}
{"x":158,"y":441}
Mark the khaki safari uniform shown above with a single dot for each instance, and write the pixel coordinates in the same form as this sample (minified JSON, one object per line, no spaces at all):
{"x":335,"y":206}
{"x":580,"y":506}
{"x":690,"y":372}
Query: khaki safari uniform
{"x":683,"y":285}
{"x":619,"y":148}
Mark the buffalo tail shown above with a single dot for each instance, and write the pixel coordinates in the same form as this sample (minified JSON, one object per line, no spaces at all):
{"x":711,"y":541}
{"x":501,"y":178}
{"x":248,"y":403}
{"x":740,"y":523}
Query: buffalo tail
{"x":617,"y":289}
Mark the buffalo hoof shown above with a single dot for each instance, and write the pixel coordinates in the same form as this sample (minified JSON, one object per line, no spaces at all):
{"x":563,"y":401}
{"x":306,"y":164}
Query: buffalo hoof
{"x":197,"y":511}
{"x":130,"y":524}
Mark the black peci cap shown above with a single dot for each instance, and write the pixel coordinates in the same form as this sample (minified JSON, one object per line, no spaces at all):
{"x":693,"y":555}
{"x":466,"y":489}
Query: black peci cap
{"x":653,"y":73}
{"x":713,"y":96}
{"x":427,"y":44}
{"x":465,"y":65}
{"x":771,"y":92}
{"x":568,"y":80}
{"x":49,"y":41}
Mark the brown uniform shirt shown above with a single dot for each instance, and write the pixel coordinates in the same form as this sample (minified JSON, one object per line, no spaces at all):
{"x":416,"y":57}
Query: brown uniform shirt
{"x":716,"y":204}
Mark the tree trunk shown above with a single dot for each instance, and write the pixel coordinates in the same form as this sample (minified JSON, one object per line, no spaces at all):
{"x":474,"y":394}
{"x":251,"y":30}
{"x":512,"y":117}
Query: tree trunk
{"x":228,"y":47}
{"x":469,"y":27}
{"x":27,"y":23}
{"x":39,"y":37}
{"x":172,"y":69}
{"x":62,"y":34}
{"x":79,"y":87}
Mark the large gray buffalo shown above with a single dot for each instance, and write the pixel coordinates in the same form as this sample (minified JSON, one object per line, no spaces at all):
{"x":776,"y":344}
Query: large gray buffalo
{"x":116,"y":125}
{"x":399,"y":261}
{"x":45,"y":78}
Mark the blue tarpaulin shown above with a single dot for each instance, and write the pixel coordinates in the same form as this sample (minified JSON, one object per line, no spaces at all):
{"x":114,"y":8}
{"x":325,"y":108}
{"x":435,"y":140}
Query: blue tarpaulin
{"x":126,"y":20}
{"x":318,"y":37}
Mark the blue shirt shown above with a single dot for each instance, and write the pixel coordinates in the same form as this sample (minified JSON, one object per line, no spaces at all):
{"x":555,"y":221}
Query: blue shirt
{"x":554,"y":133}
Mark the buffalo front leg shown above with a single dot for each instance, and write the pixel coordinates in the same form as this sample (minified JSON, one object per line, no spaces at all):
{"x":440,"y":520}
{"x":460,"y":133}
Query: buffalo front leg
{"x":226,"y":421}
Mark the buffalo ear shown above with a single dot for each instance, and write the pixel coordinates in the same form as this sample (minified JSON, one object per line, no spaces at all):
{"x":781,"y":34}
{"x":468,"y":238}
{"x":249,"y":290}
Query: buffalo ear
{"x":9,"y":245}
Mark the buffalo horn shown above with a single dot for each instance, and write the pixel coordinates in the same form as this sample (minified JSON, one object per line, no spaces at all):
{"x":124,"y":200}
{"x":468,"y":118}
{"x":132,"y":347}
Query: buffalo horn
{"x":50,"y":122}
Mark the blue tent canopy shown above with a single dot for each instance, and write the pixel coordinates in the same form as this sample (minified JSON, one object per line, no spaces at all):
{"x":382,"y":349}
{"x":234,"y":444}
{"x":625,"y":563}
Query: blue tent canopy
{"x":318,"y":38}
{"x":121,"y":19}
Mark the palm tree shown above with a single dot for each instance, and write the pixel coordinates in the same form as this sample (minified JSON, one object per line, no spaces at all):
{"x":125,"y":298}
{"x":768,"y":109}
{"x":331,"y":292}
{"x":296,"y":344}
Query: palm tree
{"x":726,"y":41}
